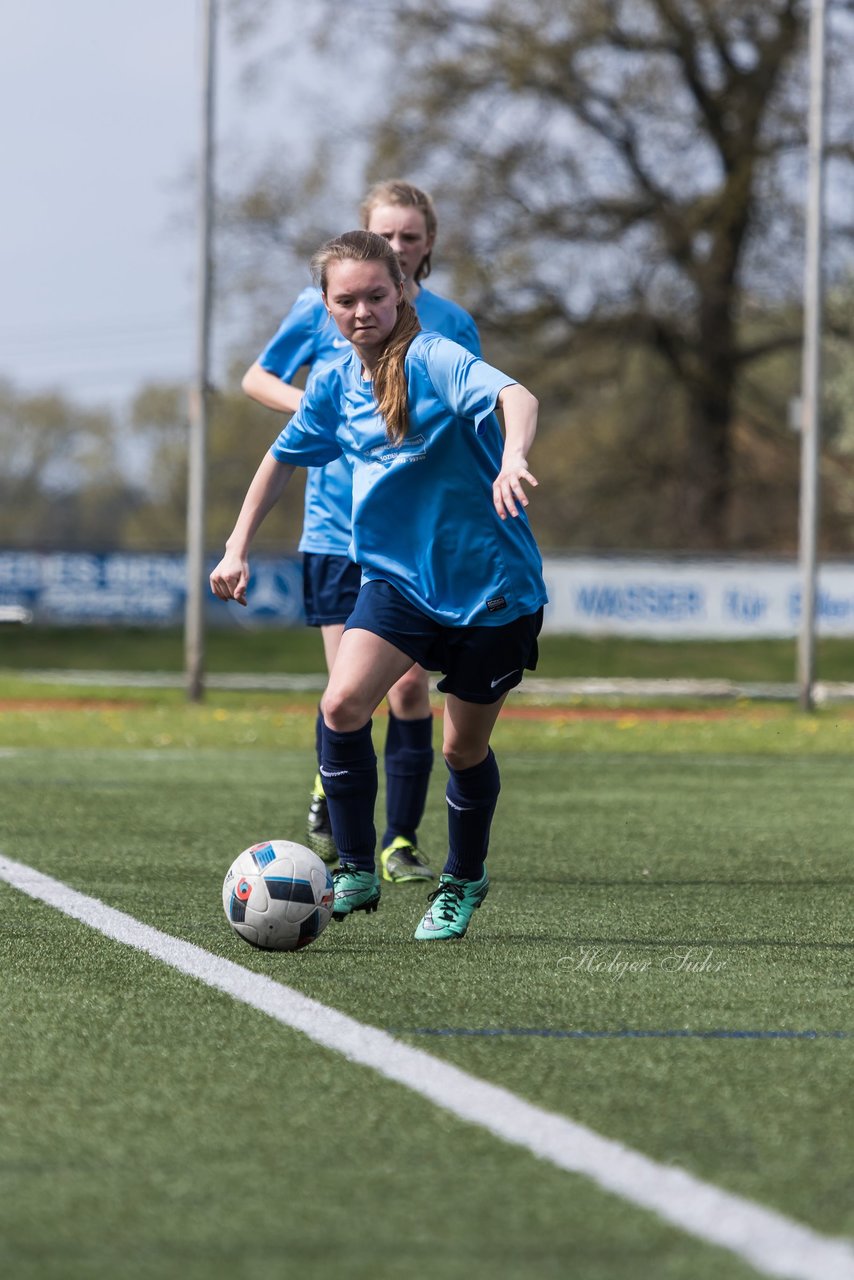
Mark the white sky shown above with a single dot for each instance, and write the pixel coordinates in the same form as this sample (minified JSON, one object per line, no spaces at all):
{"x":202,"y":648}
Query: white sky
{"x":100,"y":109}
{"x":101,"y":105}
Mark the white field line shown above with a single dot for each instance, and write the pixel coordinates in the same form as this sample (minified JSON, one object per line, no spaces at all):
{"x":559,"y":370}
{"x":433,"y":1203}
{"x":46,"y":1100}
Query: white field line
{"x":773,"y":1244}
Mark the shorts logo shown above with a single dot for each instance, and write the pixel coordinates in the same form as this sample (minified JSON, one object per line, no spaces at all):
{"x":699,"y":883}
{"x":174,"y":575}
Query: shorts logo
{"x":496,"y":603}
{"x":501,"y":679}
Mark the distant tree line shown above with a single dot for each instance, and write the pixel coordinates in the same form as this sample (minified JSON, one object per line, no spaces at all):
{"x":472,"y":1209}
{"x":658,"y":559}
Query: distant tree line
{"x":65,"y":485}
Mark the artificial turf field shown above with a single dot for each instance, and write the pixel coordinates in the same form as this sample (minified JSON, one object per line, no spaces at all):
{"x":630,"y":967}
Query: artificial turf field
{"x":659,"y":883}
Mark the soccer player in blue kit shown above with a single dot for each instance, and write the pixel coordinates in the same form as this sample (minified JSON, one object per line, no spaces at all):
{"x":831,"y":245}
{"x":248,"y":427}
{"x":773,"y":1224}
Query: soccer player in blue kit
{"x":451,"y":574}
{"x":308,"y":338}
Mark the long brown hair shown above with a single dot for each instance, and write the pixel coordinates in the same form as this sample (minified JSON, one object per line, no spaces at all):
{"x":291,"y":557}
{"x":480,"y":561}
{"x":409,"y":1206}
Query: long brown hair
{"x":390,"y":391}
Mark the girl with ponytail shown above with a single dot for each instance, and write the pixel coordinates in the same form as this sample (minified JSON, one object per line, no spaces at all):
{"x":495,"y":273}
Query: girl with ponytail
{"x":451,"y":574}
{"x":306,"y":339}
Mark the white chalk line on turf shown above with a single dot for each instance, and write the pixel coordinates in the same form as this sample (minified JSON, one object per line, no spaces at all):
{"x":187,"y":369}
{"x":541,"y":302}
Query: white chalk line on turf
{"x":773,"y":1244}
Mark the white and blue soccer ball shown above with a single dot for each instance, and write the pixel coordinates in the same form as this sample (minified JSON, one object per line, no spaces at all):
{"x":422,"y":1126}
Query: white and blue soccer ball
{"x":278,"y":895}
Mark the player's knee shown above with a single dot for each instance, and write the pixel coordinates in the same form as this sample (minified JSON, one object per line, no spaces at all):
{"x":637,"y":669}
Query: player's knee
{"x":344,"y":709}
{"x":409,"y":699}
{"x":459,"y":755}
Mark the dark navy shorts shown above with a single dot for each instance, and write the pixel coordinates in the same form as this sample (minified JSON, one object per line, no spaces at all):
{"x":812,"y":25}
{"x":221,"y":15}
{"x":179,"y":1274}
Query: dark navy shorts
{"x":330,"y":585}
{"x":479,"y":663}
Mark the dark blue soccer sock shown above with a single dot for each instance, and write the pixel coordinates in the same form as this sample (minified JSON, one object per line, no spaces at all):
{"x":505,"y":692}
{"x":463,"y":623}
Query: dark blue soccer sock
{"x":408,"y":762}
{"x":472,"y":795}
{"x":348,"y":768}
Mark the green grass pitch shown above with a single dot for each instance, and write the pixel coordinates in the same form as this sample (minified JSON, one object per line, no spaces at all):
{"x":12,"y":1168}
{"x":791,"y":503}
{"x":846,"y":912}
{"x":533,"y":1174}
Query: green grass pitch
{"x":658,"y":875}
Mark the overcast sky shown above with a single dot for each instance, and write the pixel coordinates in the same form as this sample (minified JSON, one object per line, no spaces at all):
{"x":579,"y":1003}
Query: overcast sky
{"x":100,"y":103}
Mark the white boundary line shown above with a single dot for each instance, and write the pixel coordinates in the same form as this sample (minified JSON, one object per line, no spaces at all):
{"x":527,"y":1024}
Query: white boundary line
{"x":773,"y":1244}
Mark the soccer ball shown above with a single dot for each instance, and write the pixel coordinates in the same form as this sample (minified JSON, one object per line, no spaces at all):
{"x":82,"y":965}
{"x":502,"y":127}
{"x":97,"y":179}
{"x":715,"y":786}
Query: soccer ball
{"x":278,"y":896}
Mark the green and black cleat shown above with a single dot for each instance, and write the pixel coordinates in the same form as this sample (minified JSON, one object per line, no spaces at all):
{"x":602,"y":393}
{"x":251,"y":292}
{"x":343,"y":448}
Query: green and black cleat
{"x":355,"y":890}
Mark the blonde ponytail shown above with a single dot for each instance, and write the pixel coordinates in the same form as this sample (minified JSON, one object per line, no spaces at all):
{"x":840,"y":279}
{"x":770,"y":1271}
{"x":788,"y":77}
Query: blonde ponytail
{"x":390,"y":389}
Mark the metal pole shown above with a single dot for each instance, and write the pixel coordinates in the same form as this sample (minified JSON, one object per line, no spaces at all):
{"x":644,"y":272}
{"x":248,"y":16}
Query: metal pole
{"x":194,"y":619}
{"x":811,"y":370}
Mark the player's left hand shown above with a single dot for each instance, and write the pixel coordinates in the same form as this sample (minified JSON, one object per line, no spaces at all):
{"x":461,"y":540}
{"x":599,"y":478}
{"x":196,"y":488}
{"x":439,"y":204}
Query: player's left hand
{"x":507,"y":489}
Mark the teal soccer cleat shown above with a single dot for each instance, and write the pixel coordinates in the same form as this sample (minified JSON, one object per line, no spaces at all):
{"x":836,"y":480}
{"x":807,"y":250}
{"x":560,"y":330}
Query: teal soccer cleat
{"x":452,"y":906}
{"x":354,"y":891}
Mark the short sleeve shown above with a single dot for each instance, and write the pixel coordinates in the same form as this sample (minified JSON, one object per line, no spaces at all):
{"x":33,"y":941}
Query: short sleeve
{"x":468,"y":386}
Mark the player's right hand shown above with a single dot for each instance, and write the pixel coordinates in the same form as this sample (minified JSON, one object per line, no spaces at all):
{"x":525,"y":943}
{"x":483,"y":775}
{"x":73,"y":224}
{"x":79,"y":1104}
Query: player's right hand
{"x":230,"y":578}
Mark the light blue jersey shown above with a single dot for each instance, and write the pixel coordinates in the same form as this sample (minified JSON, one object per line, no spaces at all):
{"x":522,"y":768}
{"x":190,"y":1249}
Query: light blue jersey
{"x":440,"y":315}
{"x":423,"y":515}
{"x":309,"y":338}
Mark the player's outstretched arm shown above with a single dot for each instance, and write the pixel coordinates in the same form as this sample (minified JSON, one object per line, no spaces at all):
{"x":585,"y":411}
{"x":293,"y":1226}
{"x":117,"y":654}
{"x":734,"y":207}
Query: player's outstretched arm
{"x":263,"y":386}
{"x":230,"y":578}
{"x":520,"y":426}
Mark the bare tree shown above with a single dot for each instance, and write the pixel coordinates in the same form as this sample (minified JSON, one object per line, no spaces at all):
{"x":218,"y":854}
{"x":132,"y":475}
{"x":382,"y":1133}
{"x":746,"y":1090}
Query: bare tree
{"x":620,"y":184}
{"x":626,"y":172}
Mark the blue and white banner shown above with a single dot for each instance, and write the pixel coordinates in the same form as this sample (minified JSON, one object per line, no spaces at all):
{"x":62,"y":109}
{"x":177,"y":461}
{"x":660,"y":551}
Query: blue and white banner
{"x":589,"y":595}
{"x":138,"y":588}
{"x":698,"y":599}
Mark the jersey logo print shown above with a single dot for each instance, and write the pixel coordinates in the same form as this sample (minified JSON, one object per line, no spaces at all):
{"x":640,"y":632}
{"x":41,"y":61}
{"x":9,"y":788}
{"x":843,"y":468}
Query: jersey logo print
{"x":411,"y":449}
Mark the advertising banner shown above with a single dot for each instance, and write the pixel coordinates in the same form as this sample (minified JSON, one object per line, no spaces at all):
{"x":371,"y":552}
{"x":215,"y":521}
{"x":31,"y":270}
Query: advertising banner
{"x":700,"y":599}
{"x":138,"y":588}
{"x":589,"y":595}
